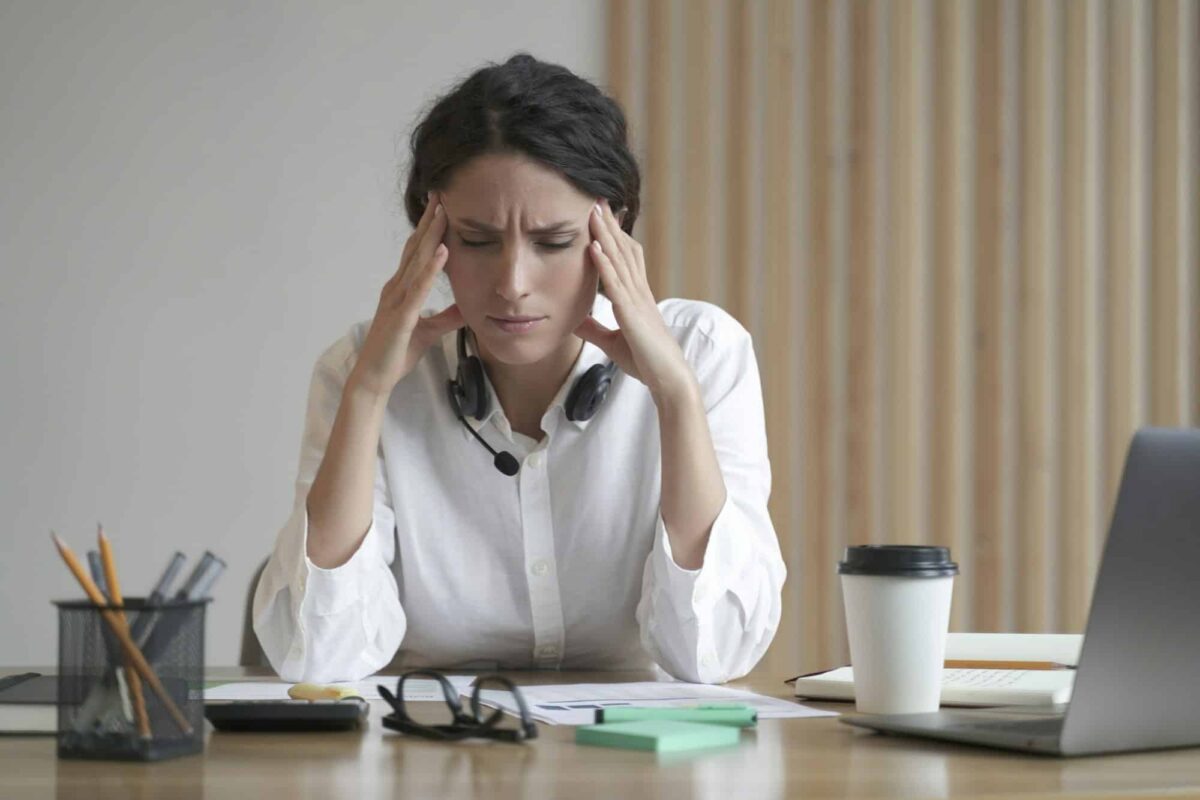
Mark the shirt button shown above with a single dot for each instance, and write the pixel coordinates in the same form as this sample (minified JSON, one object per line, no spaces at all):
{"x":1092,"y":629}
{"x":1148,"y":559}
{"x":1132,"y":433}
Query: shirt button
{"x":540,"y":568}
{"x":535,"y":460}
{"x":547,"y":651}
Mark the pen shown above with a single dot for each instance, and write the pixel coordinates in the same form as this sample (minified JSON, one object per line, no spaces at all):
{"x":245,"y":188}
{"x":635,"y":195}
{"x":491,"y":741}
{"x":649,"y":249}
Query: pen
{"x":159,"y":592}
{"x":185,"y":591}
{"x":156,"y":597}
{"x":208,"y":577}
{"x":981,"y":664}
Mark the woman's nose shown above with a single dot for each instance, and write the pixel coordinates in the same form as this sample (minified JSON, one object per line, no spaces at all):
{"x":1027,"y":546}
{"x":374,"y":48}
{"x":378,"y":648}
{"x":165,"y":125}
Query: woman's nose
{"x":512,"y":280}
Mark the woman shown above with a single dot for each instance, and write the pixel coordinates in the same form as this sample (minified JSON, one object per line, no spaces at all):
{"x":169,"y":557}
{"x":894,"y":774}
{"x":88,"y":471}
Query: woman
{"x":624,"y":522}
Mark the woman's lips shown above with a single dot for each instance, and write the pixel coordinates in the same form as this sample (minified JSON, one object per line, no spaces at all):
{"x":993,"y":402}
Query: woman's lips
{"x":515,"y":324}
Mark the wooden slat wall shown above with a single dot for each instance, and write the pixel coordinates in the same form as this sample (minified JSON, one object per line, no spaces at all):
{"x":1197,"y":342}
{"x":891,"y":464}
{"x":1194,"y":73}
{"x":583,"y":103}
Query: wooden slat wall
{"x":1080,"y":511}
{"x":965,"y":236}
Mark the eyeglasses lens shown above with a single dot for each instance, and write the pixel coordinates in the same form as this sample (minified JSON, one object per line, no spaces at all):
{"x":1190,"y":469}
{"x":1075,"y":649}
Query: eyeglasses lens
{"x":418,"y":692}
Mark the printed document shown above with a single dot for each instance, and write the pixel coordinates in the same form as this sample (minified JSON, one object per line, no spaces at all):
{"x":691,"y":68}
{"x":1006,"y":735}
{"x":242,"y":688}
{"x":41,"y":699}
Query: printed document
{"x":576,"y":704}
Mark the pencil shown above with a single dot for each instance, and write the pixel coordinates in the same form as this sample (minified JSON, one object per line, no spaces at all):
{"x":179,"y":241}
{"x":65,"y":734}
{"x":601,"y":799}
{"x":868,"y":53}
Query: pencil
{"x":122,"y":633}
{"x":114,"y":595}
{"x":1033,"y":665}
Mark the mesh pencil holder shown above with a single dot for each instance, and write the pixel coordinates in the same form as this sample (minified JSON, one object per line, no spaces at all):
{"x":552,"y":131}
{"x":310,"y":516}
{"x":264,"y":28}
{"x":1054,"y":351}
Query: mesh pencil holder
{"x":99,"y":715}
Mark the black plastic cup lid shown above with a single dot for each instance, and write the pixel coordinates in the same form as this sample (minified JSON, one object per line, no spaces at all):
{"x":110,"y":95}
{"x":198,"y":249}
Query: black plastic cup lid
{"x":903,"y":560}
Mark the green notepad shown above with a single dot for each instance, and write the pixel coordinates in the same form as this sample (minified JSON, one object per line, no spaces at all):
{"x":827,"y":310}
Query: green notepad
{"x":659,"y":735}
{"x":715,"y":714}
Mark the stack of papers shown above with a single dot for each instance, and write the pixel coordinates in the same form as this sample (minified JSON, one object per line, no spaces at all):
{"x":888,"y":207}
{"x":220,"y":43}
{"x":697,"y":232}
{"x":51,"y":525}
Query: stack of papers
{"x":576,"y":704}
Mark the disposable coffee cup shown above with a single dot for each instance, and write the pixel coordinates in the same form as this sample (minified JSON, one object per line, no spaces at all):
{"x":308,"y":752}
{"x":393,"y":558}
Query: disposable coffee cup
{"x":897,"y":600}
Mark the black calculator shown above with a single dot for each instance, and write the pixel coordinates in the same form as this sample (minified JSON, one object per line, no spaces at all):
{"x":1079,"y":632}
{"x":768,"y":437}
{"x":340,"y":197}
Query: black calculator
{"x":257,"y":716}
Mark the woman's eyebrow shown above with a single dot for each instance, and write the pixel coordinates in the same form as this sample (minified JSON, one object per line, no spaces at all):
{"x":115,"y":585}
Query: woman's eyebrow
{"x":557,"y":227}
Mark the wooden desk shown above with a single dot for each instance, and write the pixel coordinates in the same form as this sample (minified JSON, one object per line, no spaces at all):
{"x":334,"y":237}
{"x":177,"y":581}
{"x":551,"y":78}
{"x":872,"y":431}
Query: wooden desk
{"x":810,"y":758}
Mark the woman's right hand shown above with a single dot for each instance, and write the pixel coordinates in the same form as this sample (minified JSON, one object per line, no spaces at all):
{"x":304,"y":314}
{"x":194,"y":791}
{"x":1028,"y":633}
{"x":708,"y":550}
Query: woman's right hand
{"x":399,"y":335}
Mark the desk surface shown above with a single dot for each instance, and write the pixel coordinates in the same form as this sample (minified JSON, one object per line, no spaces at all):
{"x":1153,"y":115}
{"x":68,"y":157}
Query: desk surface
{"x":811,"y":758}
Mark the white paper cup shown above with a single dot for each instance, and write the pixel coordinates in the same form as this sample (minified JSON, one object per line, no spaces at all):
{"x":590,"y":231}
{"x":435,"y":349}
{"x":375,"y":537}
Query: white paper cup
{"x":897,"y":602}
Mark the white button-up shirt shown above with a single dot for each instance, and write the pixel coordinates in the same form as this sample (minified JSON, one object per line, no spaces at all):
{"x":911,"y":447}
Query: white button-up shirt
{"x":565,"y":565}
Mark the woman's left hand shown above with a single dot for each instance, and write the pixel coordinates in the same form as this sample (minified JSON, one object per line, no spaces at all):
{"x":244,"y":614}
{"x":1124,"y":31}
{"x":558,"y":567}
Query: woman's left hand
{"x":642,"y":346}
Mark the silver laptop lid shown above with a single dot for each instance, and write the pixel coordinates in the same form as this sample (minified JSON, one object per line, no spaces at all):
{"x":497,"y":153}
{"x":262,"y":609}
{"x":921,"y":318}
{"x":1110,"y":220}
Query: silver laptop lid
{"x":1136,"y":683}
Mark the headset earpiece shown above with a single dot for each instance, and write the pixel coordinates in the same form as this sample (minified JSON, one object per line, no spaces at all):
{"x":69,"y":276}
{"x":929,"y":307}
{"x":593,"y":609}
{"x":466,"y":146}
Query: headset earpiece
{"x":470,"y":385}
{"x":589,"y":392}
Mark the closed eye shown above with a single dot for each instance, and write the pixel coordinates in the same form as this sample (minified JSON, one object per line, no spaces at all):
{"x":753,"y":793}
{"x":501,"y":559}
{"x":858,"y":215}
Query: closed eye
{"x":486,"y":243}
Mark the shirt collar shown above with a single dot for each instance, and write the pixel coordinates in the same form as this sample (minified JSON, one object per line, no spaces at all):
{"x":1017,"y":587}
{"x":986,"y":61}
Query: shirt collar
{"x":589,"y":356}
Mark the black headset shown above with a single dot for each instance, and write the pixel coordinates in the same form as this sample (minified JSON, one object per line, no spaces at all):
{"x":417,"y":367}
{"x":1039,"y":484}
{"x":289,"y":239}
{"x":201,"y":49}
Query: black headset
{"x":468,"y":396}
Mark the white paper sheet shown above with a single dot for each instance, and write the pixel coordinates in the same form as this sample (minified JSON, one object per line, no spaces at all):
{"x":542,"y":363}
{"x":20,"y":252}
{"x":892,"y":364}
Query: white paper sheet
{"x":576,"y":704}
{"x":416,"y":690}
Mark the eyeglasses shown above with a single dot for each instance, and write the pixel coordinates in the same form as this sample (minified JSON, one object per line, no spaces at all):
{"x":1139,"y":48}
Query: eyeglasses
{"x":461,"y":725}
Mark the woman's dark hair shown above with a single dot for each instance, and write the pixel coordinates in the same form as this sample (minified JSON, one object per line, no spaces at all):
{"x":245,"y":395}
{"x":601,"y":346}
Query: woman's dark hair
{"x":536,"y":109}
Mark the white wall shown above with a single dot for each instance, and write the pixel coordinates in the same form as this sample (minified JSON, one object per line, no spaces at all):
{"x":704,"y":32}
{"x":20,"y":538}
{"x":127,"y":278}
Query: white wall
{"x":195,"y":200}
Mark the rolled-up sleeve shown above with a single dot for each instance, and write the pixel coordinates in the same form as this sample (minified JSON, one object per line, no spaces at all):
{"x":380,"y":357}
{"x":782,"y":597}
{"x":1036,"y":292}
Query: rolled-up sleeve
{"x":344,"y":623}
{"x":713,"y":624}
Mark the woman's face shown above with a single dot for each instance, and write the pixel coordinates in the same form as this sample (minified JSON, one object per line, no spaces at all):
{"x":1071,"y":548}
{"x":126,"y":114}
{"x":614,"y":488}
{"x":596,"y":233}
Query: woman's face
{"x":518,"y":233}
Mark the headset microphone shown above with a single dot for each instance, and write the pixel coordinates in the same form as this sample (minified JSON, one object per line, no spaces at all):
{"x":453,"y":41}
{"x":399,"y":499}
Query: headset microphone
{"x":504,"y":460}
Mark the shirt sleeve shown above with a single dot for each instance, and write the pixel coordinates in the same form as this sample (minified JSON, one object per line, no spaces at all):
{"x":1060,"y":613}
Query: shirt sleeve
{"x":344,"y":623}
{"x":714,"y":624}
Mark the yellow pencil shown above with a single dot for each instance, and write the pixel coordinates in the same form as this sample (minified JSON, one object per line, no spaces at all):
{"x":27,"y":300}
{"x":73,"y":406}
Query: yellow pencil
{"x":114,"y":594}
{"x":122,"y":633}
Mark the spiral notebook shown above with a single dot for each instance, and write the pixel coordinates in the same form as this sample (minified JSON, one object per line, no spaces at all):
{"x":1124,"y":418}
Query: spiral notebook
{"x":980,"y":687}
{"x":961,"y":687}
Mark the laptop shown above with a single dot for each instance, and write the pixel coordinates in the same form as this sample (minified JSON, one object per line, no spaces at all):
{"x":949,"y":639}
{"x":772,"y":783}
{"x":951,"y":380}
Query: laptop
{"x":1136,"y":681}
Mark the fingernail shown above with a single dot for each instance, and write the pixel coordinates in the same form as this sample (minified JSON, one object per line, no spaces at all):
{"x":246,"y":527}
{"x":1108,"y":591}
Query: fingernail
{"x":437,"y":210}
{"x":597,"y":209}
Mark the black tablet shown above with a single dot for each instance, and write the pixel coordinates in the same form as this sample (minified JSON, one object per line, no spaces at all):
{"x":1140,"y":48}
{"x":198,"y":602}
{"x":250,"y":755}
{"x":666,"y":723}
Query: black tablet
{"x":287,"y":715}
